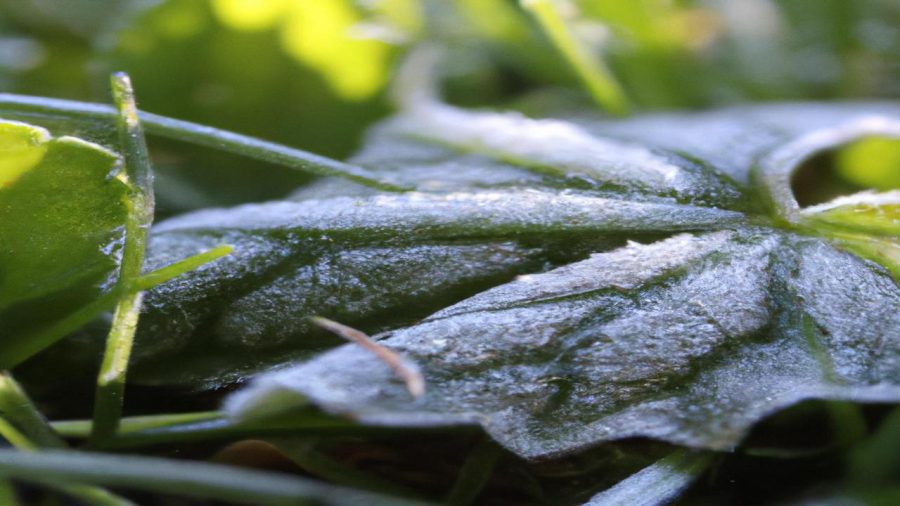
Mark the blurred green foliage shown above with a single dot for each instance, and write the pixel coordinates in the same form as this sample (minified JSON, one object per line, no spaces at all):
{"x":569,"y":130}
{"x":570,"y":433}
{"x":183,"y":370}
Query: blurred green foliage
{"x":313,"y":74}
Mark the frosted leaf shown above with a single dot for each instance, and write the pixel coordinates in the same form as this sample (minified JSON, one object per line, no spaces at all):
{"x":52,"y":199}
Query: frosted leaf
{"x":674,"y":353}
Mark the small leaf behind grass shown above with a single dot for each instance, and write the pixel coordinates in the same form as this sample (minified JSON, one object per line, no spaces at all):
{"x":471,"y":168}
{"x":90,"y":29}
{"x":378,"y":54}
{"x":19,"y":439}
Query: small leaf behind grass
{"x":61,"y":237}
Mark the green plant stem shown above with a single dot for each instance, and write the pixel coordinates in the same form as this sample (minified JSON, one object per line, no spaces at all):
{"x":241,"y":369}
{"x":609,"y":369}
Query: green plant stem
{"x":194,"y":479}
{"x":28,"y":107}
{"x":595,"y":75}
{"x":109,"y":397}
{"x":18,"y":410}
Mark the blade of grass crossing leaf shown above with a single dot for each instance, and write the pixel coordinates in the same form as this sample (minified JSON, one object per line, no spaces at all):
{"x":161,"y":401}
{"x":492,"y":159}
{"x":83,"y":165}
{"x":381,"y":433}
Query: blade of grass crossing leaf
{"x":180,"y":267}
{"x":474,"y":475}
{"x":596,"y":77}
{"x":24,"y":106}
{"x":658,"y":483}
{"x":35,"y":342}
{"x":108,"y":399}
{"x":192,"y":479}
{"x":18,"y":410}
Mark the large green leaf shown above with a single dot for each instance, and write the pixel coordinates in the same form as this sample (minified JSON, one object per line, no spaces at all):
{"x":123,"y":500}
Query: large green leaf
{"x":62,"y":214}
{"x":375,"y":261}
{"x":646,"y":340}
{"x":617,"y":328}
{"x":689,"y":339}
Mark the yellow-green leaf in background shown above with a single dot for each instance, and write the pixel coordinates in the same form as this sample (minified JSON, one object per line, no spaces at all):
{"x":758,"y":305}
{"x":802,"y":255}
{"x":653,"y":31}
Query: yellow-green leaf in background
{"x":872,"y":162}
{"x":21,"y":148}
{"x":61,"y":218}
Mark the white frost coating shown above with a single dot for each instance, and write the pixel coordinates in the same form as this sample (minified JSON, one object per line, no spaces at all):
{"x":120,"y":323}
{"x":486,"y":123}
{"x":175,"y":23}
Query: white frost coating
{"x":556,"y":145}
{"x":865,"y":198}
{"x":411,"y":211}
{"x":624,"y":268}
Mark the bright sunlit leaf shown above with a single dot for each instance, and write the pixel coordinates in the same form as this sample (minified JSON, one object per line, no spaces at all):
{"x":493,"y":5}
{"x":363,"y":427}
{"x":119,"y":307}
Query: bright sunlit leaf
{"x":250,"y":15}
{"x":21,"y":148}
{"x":321,"y":34}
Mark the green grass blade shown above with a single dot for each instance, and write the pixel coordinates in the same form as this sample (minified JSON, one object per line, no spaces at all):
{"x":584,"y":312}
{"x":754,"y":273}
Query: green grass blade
{"x":17,"y":409}
{"x":31,"y":344}
{"x":14,"y":436}
{"x":180,"y":267}
{"x":20,"y":440}
{"x":193,"y":479}
{"x":110,"y":391}
{"x":28,"y":106}
{"x":82,"y":428}
{"x":596,"y":77}
{"x":658,"y":483}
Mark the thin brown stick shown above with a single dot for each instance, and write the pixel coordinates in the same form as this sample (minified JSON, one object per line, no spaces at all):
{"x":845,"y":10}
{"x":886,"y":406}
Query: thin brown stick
{"x":409,"y":373}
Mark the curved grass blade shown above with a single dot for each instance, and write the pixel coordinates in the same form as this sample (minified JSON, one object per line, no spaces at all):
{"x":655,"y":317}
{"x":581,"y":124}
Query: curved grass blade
{"x":658,"y":483}
{"x":18,"y":410}
{"x":31,"y":432}
{"x":297,"y":159}
{"x":193,"y":479}
{"x":597,"y":78}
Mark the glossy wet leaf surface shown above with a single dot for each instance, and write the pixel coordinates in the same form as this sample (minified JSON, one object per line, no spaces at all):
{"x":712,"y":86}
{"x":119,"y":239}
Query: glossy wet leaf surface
{"x":665,"y":284}
{"x":690,"y":339}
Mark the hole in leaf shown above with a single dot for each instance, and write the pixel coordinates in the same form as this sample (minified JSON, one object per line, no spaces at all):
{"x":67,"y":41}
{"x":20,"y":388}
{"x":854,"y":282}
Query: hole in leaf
{"x":867,"y":163}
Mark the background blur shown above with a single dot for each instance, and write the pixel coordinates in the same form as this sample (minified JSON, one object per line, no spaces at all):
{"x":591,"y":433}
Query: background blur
{"x":314,"y":73}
